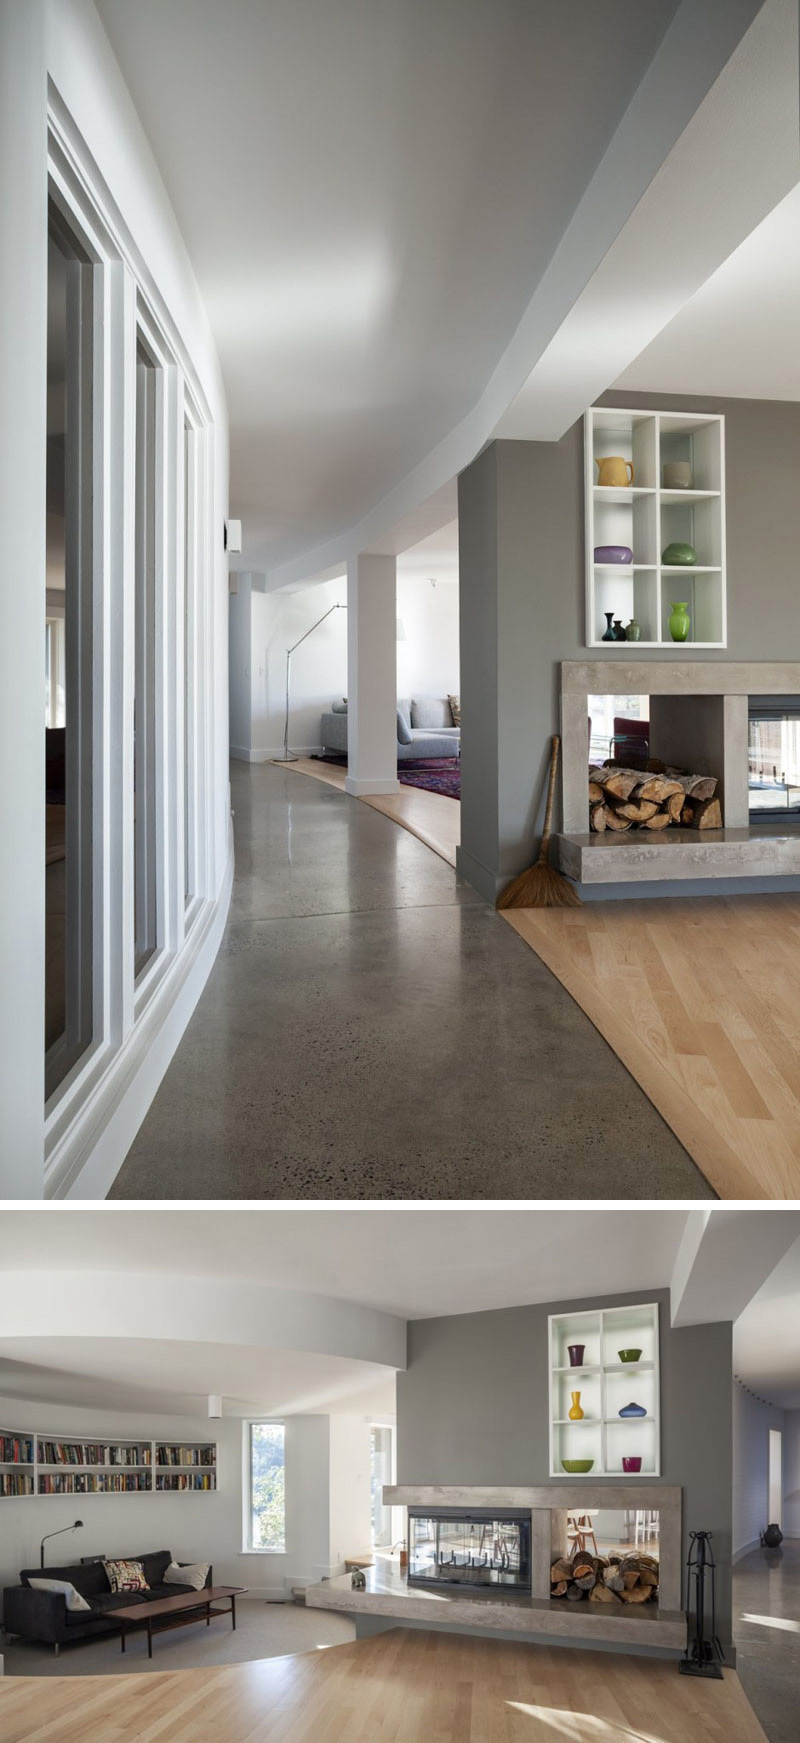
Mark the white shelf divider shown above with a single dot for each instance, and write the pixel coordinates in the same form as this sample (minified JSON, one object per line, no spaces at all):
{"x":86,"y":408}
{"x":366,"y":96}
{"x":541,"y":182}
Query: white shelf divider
{"x":609,"y":1329}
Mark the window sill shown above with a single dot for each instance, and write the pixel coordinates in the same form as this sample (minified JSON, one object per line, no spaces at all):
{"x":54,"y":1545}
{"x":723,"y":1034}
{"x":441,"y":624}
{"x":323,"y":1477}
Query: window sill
{"x":262,"y":1552}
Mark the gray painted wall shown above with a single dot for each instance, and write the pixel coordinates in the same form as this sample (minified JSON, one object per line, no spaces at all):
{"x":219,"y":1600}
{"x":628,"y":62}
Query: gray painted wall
{"x":752,"y":1421}
{"x":521,"y":538}
{"x":472,"y":1408}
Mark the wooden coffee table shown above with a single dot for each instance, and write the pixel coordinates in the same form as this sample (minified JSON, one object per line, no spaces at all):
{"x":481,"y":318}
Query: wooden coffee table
{"x":161,"y":1613}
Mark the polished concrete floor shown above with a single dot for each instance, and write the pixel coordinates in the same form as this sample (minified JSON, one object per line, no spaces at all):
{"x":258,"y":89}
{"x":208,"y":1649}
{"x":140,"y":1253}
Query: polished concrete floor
{"x":766,"y":1610}
{"x":371,"y":1029}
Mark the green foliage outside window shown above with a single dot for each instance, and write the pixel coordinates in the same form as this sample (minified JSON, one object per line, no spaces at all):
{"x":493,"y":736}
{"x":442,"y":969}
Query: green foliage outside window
{"x":267,"y":1486}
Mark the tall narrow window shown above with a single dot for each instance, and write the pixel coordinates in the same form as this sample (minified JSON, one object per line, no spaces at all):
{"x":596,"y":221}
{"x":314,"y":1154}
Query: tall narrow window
{"x":68,"y":654}
{"x":144,"y":811}
{"x":189,"y":534}
{"x":380,"y":1468}
{"x":267,"y":1528}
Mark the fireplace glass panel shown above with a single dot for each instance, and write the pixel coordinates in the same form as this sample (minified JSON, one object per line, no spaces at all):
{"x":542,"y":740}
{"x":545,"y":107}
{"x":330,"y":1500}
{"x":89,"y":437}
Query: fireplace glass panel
{"x":485,"y":1547}
{"x":774,"y":756}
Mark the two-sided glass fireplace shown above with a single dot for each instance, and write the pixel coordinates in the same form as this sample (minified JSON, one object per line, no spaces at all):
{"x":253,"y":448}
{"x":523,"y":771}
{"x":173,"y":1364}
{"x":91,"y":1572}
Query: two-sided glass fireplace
{"x":484,"y":1547}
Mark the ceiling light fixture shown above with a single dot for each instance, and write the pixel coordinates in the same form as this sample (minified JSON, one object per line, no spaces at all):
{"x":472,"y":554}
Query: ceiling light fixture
{"x":214,"y":1407}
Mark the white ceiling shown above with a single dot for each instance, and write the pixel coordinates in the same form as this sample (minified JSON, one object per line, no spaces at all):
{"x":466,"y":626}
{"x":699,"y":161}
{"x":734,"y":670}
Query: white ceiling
{"x":414,"y":1263}
{"x":410,"y":1262}
{"x":175,"y":1376}
{"x":766,"y":1338}
{"x":739,"y":336}
{"x":369,"y":192}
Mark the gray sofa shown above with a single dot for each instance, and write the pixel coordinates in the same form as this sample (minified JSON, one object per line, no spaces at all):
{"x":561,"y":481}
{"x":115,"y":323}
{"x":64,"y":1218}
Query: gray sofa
{"x":44,"y":1616}
{"x":424,"y":729}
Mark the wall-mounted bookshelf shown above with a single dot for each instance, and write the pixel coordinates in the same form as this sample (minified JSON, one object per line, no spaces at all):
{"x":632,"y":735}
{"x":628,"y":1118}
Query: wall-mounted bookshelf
{"x":606,"y":1385}
{"x":16,"y":1463}
{"x":647,"y":518}
{"x":42,"y":1465}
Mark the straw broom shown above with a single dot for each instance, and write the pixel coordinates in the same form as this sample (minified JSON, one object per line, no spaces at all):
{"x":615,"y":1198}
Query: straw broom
{"x":541,"y":886}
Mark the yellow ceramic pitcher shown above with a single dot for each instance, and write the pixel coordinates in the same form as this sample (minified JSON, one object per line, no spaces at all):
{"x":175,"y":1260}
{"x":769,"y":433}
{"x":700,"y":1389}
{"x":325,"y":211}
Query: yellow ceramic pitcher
{"x":614,"y":470}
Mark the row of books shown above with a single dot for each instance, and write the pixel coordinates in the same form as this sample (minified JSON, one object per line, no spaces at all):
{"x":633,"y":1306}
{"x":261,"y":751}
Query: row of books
{"x":16,"y":1449}
{"x":199,"y":1480}
{"x":14,"y":1483}
{"x":81,"y":1452}
{"x":186,"y":1455}
{"x":87,"y":1483}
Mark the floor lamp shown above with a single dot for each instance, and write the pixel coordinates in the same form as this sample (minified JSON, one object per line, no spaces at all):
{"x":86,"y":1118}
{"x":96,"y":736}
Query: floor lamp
{"x":288,"y":756}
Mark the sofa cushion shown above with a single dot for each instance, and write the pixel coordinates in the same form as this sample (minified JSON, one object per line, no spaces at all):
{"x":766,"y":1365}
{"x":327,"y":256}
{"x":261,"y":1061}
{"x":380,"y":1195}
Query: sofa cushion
{"x":403,"y":726}
{"x":192,"y":1574}
{"x":74,"y":1600}
{"x":126,"y":1576}
{"x":430,"y":712}
{"x":339,"y":707}
{"x":88,"y":1580}
{"x":455,"y":709}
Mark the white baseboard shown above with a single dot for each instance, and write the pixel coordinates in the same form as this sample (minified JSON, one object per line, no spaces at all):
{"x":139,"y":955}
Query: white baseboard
{"x":274,"y":755}
{"x":364,"y":789}
{"x":90,"y":1153}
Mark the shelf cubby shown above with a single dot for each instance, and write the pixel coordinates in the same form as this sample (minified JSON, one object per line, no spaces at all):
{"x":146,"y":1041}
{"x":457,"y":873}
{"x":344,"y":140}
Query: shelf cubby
{"x":606,"y":1386}
{"x":647,"y":518}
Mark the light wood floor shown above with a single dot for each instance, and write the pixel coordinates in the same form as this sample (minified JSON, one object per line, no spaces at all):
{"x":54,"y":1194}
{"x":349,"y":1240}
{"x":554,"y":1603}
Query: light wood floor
{"x":401,"y":1687}
{"x":432,"y":817}
{"x":700,"y":999}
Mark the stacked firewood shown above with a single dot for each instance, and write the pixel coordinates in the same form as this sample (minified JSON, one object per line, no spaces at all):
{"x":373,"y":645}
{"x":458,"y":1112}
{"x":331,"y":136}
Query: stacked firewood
{"x":651,"y":798}
{"x":605,"y":1579}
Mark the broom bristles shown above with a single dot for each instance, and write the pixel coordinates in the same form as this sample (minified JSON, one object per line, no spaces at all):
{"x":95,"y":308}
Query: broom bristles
{"x":541,"y":886}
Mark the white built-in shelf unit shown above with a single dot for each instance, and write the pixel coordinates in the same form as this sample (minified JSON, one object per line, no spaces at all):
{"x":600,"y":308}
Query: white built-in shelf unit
{"x":647,"y":518}
{"x":43,"y":1464}
{"x":606,"y":1386}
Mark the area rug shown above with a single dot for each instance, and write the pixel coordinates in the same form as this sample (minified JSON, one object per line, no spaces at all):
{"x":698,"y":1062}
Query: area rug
{"x":442,"y":776}
{"x":435,"y":774}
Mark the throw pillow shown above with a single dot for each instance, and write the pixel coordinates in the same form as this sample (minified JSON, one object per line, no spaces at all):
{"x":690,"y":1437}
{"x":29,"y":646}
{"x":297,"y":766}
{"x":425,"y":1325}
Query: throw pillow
{"x":194,"y":1574}
{"x":74,"y":1601}
{"x":455,"y":709}
{"x":126,"y":1576}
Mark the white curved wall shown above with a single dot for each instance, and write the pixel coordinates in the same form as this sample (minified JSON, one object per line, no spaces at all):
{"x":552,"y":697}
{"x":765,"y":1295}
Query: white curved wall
{"x":60,"y":44}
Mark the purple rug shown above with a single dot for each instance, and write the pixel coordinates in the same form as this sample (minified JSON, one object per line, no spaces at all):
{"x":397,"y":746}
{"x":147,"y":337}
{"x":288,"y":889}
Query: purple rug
{"x":435,"y":774}
{"x":440,"y":776}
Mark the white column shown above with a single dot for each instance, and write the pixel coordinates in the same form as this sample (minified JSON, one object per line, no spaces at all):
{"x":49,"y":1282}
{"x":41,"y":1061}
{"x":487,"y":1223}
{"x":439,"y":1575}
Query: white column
{"x":371,"y":675}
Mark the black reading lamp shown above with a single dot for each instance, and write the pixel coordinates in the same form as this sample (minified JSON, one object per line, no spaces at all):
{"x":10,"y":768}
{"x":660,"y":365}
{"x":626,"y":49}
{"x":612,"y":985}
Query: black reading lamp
{"x":76,"y":1527}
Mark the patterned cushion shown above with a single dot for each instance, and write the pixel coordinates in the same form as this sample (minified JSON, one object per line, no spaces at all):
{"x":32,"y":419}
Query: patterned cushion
{"x":455,"y":709}
{"x":126,"y":1576}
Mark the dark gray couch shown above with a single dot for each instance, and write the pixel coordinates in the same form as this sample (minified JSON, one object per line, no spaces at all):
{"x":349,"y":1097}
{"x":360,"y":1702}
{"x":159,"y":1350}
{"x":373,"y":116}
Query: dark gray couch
{"x":44,"y":1615}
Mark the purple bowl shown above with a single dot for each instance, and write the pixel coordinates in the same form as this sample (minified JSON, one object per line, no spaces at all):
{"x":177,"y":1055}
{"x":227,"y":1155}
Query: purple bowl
{"x":613,"y":554}
{"x":631,"y":1465}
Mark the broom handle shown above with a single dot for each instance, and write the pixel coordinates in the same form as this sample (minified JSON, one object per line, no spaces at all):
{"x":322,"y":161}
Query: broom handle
{"x":548,"y":810}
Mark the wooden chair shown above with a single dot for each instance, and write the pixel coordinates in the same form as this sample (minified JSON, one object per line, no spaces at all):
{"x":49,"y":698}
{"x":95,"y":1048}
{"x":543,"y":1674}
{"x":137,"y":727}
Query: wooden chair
{"x":580,"y":1532}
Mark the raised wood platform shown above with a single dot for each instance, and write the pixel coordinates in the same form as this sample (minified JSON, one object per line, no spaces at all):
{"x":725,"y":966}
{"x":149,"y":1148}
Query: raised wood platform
{"x":407,"y":1686}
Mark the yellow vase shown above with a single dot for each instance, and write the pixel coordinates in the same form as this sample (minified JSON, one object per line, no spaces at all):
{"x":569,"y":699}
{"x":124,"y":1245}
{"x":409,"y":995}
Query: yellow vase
{"x":576,"y":1414}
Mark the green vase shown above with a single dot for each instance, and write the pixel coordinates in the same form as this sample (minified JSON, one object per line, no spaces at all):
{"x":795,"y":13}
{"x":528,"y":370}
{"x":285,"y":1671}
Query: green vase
{"x":633,"y":631}
{"x":680,"y":622}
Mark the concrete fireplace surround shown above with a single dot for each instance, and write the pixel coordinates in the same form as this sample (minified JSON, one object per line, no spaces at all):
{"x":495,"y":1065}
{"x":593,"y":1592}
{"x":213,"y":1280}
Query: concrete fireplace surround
{"x":699,"y":719}
{"x":388,"y":1598}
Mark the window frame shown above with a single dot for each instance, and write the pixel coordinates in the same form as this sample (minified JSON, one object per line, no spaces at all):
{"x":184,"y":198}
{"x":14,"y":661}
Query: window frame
{"x":248,"y":1547}
{"x":124,"y":294}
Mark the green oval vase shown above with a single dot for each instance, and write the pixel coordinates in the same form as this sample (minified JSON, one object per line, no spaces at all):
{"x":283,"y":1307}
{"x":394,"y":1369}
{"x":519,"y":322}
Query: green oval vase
{"x":680,"y":622}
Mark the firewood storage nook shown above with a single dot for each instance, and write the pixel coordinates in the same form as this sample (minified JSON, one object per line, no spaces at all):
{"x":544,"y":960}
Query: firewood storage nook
{"x":700,"y":826}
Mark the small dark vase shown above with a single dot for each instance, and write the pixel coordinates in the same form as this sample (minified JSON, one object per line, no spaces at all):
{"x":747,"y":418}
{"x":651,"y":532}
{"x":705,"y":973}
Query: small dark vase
{"x":619,"y":634}
{"x":609,"y":635}
{"x":575,"y":1352}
